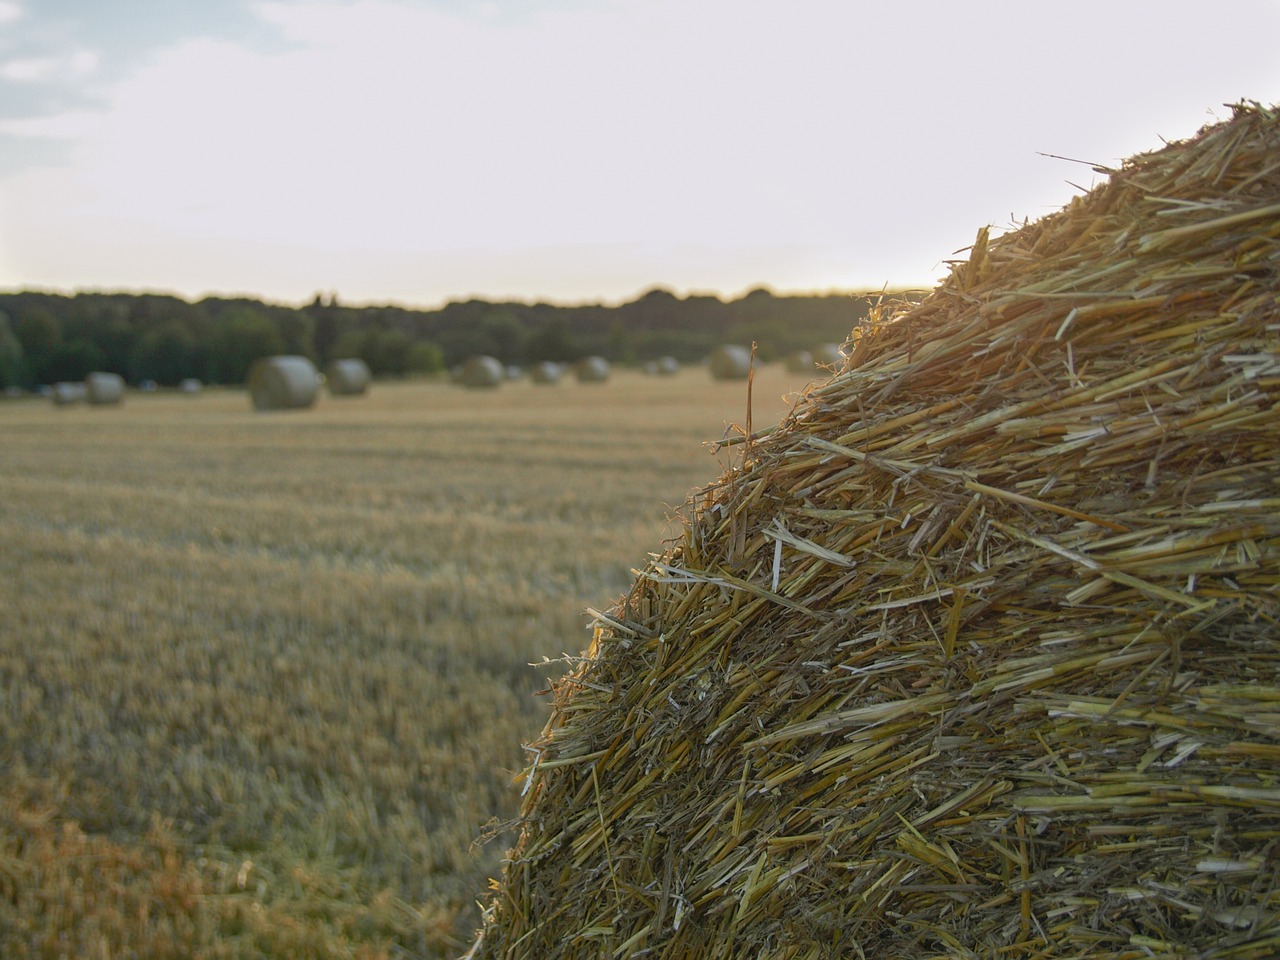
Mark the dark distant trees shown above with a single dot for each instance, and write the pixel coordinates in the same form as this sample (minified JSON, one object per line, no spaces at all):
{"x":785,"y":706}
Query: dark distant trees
{"x":11,"y":355}
{"x":386,"y":352}
{"x":73,"y":360}
{"x":241,"y":336}
{"x":168,"y":354}
{"x":49,"y":337}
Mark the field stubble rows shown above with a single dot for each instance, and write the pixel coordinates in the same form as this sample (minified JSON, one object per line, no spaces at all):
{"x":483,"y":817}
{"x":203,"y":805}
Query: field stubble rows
{"x":279,"y":663}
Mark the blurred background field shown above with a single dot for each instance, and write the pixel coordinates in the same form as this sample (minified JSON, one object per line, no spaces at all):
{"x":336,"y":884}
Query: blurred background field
{"x":264,"y":678}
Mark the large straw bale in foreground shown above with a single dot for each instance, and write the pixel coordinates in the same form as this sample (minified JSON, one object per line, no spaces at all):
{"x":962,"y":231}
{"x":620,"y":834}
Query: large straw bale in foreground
{"x":978,"y":653}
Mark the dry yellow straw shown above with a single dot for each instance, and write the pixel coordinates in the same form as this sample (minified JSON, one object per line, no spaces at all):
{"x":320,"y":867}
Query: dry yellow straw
{"x":978,"y":653}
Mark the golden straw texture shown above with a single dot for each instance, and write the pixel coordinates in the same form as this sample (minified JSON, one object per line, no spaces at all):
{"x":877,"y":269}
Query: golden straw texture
{"x":978,"y":653}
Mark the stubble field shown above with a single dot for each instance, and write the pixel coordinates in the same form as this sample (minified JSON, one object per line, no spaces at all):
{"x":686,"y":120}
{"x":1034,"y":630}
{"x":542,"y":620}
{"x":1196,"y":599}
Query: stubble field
{"x":264,"y":678}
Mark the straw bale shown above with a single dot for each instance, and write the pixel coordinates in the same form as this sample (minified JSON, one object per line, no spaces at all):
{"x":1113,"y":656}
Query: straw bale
{"x":830,"y":356}
{"x":592,"y":370}
{"x":730,"y":361}
{"x":191,"y":386}
{"x":101,"y":389}
{"x":800,"y":362}
{"x":546,"y":372}
{"x":977,"y":654}
{"x":668,"y":366}
{"x":67,"y":392}
{"x":283,"y":383}
{"x":348,"y":377}
{"x":483,"y":371}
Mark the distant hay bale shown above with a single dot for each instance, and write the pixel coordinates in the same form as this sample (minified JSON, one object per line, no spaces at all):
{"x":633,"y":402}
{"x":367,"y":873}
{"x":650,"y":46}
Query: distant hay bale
{"x":347,"y":377}
{"x":283,"y":383}
{"x":190,"y":385}
{"x":68,"y":392}
{"x":800,"y":362}
{"x":829,"y":356}
{"x":668,"y":366}
{"x":546,"y":373}
{"x":514,"y":371}
{"x":482,"y":371}
{"x":592,"y":370}
{"x":730,"y":362}
{"x":103,"y":389}
{"x":977,"y":654}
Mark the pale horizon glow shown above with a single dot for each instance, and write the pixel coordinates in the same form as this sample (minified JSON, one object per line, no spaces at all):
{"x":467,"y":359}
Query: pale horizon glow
{"x":420,"y":151}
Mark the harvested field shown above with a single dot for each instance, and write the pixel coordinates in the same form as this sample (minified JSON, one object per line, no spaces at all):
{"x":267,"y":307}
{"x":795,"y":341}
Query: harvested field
{"x":264,"y":680}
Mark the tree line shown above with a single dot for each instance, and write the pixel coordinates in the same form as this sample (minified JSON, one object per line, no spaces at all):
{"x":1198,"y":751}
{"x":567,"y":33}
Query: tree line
{"x":46,"y":338}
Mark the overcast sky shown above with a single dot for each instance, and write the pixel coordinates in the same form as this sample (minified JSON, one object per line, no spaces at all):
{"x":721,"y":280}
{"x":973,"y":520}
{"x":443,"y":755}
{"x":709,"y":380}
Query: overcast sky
{"x":419,"y":151}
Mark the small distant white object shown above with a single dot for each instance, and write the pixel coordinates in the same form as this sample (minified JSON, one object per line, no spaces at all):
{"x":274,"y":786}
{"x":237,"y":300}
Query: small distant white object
{"x":190,"y":386}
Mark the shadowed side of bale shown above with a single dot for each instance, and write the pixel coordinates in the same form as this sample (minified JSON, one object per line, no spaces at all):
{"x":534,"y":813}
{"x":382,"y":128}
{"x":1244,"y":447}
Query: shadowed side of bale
{"x":978,"y":653}
{"x":283,"y":383}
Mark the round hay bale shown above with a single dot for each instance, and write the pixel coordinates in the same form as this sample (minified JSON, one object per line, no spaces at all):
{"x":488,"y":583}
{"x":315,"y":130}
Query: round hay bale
{"x":283,"y":383}
{"x":482,"y":371}
{"x":977,"y":653}
{"x":592,"y":370}
{"x":347,"y":377}
{"x":829,"y":357}
{"x":190,"y":386}
{"x":668,"y":366}
{"x":102,"y":389}
{"x":68,"y":392}
{"x":514,"y":371}
{"x":546,"y":373}
{"x":800,"y":362}
{"x":730,"y":362}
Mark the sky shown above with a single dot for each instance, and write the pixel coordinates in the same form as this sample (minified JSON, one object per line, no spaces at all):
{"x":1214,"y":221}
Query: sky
{"x":574,"y":151}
